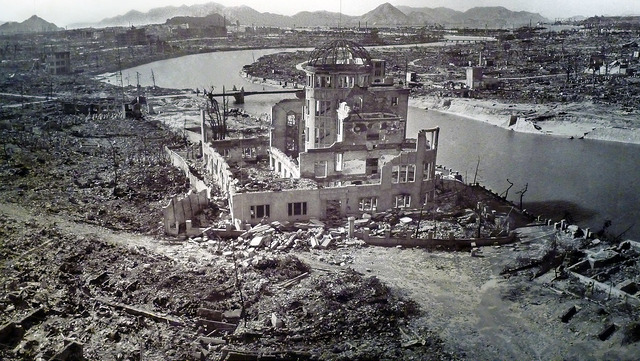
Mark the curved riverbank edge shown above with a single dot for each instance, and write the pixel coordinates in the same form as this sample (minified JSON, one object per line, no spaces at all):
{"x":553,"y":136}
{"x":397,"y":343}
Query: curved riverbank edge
{"x":571,"y":120}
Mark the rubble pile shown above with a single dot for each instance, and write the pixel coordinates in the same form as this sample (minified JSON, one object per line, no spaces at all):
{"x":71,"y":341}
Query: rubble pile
{"x":116,"y":302}
{"x":598,"y":274}
{"x":257,"y":178}
{"x":108,"y":172}
{"x":80,"y":295}
{"x":433,"y":224}
{"x":341,"y":316}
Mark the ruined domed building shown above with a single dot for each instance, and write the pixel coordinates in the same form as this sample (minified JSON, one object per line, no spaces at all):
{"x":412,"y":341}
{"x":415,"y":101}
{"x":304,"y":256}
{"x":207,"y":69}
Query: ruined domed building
{"x":342,"y":150}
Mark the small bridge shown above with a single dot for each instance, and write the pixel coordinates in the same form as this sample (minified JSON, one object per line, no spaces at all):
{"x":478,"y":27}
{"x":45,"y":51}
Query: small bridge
{"x":239,"y":95}
{"x":467,"y":39}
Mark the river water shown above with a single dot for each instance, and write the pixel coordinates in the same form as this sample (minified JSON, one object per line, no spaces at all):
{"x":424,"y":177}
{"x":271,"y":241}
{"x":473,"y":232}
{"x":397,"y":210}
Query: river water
{"x":585,"y":181}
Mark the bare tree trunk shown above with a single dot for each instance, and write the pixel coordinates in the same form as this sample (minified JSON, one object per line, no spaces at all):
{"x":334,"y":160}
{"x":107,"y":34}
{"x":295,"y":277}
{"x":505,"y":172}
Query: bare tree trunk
{"x":116,"y":165}
{"x":522,"y":192}
{"x":506,"y":193}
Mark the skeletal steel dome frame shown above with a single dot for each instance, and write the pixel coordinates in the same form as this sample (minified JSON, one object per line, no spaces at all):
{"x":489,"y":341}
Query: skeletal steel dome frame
{"x":339,"y":52}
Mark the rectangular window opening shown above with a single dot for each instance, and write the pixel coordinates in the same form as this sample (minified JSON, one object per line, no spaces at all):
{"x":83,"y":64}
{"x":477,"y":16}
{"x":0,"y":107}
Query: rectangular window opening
{"x":260,"y":211}
{"x":339,"y":157}
{"x":320,"y":169}
{"x":403,"y":201}
{"x":368,"y":204}
{"x":297,"y":208}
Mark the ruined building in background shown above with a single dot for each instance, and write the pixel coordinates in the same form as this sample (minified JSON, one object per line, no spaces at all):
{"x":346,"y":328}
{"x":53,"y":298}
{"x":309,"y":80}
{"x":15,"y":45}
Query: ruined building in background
{"x":59,"y":62}
{"x":340,"y":151}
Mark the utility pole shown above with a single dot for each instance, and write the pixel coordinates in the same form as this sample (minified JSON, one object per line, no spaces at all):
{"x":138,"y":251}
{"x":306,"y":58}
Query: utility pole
{"x":475,"y":176}
{"x":137,"y":84}
{"x":119,"y":75}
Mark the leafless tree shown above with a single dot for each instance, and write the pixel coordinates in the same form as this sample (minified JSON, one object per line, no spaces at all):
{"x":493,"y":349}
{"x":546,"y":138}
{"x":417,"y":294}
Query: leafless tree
{"x":506,"y":193}
{"x":522,"y":192}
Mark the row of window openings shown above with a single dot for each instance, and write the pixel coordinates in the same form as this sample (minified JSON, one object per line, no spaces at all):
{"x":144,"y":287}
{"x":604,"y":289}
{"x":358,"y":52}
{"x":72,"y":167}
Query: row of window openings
{"x":368,"y":204}
{"x":279,"y":170}
{"x":300,"y":208}
{"x":399,"y":173}
{"x":344,"y":81}
{"x":249,"y":152}
{"x":324,"y":107}
{"x":264,"y":210}
{"x":322,"y":130}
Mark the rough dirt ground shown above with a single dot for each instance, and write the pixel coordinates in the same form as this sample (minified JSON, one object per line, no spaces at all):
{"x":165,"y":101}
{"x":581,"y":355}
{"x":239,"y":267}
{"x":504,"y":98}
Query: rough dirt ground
{"x":82,"y":275}
{"x":80,"y":203}
{"x":82,"y":247}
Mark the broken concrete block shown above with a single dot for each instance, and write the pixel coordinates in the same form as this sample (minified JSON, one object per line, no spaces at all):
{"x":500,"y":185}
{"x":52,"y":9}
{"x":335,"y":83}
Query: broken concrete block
{"x":208,"y":314}
{"x":216,"y":325}
{"x":256,"y":241}
{"x":406,"y":220}
{"x":313,"y":242}
{"x":476,"y":252}
{"x":326,"y":242}
{"x":259,"y":241}
{"x":276,"y":322}
{"x":232,"y":314}
{"x":575,"y":231}
{"x":206,"y":341}
{"x":259,"y":229}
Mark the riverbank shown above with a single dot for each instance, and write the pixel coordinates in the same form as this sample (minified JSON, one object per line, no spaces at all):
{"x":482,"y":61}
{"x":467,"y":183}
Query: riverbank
{"x":584,"y":120}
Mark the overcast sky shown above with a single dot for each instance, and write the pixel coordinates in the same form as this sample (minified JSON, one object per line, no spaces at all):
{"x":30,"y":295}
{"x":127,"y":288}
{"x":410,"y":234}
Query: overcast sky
{"x":65,"y":12}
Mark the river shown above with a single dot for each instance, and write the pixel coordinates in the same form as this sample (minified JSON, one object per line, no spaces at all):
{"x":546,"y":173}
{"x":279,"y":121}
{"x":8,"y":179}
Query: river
{"x":585,"y":181}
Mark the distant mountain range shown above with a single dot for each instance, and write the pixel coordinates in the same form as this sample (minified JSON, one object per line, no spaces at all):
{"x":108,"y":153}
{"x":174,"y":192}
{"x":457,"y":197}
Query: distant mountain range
{"x":34,"y":24}
{"x":384,"y":15}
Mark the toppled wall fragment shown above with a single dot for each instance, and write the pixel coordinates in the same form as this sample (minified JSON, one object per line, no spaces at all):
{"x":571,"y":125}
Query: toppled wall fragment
{"x":180,"y":211}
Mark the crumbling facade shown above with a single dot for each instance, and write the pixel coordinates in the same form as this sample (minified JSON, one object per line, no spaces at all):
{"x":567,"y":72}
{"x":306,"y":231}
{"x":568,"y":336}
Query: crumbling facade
{"x":59,"y":62}
{"x":342,"y":150}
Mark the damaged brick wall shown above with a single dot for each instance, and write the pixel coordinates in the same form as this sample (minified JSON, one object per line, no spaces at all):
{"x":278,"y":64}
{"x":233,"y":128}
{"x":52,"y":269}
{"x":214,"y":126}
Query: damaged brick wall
{"x":180,"y":210}
{"x":282,"y":164}
{"x":218,"y":168}
{"x":194,"y":180}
